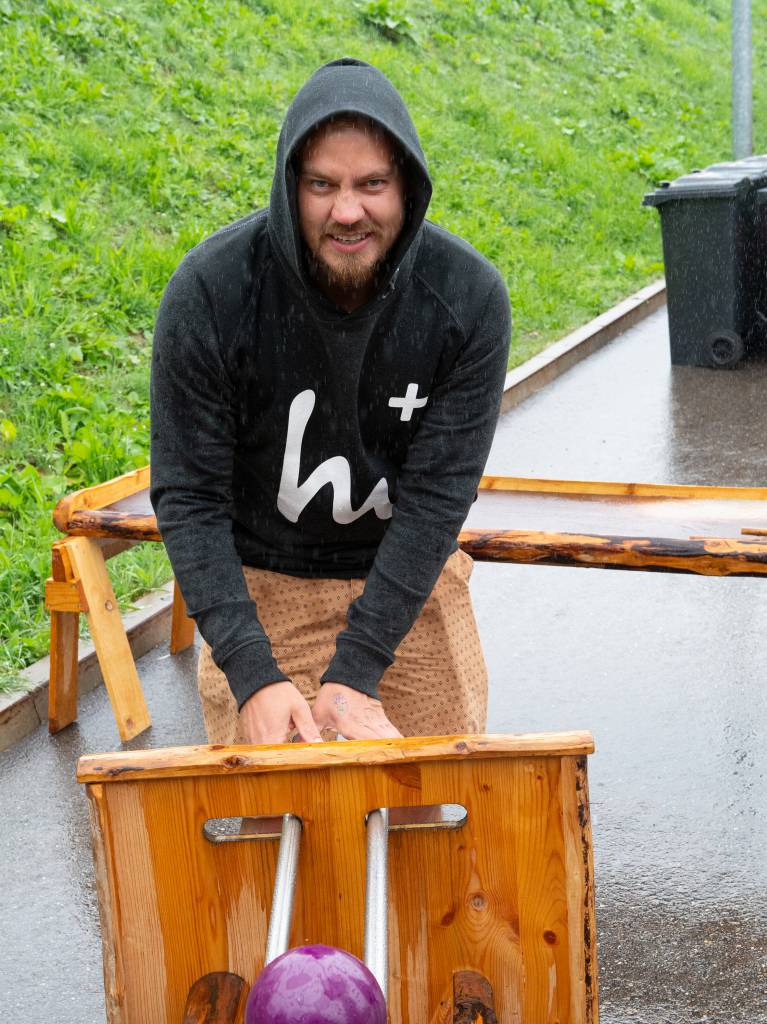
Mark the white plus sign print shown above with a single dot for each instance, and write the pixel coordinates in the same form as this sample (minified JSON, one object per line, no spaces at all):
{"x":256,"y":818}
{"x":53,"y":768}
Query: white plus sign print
{"x":408,"y":403}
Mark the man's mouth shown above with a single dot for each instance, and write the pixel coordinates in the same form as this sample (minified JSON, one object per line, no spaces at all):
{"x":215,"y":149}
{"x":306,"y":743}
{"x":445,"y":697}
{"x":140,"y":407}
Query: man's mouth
{"x":350,"y":243}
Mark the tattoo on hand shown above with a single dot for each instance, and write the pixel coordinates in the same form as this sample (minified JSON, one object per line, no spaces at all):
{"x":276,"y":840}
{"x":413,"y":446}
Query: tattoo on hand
{"x":341,"y":706}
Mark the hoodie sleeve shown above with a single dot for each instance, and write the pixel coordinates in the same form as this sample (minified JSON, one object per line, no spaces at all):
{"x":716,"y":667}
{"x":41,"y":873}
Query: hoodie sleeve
{"x":435,"y":491}
{"x":192,"y":446}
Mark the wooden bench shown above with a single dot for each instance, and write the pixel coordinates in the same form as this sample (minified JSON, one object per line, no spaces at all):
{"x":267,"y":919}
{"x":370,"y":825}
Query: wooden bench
{"x":504,"y":891}
{"x":645,"y":527}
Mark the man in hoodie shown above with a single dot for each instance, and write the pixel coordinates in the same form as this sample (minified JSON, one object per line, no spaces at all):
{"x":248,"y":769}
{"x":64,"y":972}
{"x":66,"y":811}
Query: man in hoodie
{"x":326,"y":379}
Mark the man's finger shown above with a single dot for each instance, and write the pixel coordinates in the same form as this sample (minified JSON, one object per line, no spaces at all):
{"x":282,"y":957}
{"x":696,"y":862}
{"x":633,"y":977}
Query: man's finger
{"x":303,"y":721}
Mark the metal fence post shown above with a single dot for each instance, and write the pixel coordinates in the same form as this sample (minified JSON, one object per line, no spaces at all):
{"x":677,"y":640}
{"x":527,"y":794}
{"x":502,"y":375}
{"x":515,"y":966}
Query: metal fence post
{"x":742,"y":94}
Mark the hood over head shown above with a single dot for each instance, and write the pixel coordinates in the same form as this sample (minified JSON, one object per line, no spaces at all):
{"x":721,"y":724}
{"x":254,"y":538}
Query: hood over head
{"x":346,"y":86}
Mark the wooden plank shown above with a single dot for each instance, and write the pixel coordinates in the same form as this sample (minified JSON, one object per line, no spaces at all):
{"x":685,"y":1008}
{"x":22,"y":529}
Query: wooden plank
{"x":111,"y":946}
{"x":109,"y":639}
{"x":110,"y":547}
{"x":174,"y":762}
{"x":66,"y":596}
{"x":100,"y":495}
{"x":62,"y":684}
{"x":61,"y":567}
{"x":517,"y":483}
{"x":138,"y":919}
{"x":579,"y":863}
{"x":182,"y":627}
{"x":711,"y":556}
{"x":490,"y":896}
{"x":535,"y":808}
{"x":469,"y":920}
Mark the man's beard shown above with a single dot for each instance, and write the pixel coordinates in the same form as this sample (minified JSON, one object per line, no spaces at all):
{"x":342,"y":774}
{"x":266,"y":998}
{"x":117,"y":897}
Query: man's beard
{"x":353,"y":270}
{"x":350,"y":270}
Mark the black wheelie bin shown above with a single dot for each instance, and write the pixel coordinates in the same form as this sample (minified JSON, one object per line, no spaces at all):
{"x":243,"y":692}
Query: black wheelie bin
{"x":714,"y":227}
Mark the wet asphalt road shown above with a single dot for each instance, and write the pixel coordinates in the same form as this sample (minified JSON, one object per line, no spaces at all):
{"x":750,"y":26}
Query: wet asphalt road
{"x":667,"y":671}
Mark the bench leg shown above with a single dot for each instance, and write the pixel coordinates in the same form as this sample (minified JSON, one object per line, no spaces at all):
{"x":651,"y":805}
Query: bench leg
{"x":62,"y":688}
{"x":109,"y":639}
{"x":182,"y":627}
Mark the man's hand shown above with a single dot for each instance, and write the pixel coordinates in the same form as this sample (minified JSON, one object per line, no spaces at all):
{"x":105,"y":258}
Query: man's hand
{"x":355,"y":715}
{"x":271,"y":713}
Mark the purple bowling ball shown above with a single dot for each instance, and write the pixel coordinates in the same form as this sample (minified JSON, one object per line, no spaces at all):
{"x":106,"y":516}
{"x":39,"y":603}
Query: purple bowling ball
{"x":316,"y":985}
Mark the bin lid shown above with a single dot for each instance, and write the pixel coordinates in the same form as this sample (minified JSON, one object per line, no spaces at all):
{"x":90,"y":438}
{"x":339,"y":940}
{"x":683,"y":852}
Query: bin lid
{"x":719,"y":181}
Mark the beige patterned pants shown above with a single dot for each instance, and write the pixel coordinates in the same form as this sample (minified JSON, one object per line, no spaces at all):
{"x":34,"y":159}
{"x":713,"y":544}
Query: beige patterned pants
{"x":437,"y":685}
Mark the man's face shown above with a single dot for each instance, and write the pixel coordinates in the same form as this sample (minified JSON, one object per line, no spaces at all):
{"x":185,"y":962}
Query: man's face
{"x":351,"y":205}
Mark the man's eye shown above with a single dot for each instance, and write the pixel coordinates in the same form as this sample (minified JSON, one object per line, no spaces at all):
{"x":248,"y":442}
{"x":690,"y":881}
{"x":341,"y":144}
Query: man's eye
{"x":374,"y":182}
{"x":319,"y":184}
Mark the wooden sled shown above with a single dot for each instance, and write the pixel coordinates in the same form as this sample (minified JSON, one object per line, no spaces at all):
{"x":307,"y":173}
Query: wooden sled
{"x":490,"y":910}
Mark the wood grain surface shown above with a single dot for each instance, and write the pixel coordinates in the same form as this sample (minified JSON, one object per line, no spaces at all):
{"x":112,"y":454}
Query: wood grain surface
{"x":62,"y":685}
{"x":614,"y":515}
{"x":104,"y":523}
{"x":506,"y":895}
{"x":521,"y":483}
{"x":66,"y":596}
{"x":109,"y":639}
{"x":173,"y":762}
{"x":65,"y":628}
{"x":705,"y":556}
{"x":182,"y":627}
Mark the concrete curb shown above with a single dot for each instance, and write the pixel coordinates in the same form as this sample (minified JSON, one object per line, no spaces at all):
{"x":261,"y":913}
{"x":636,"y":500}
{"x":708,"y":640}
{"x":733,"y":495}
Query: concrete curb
{"x":539,"y":371}
{"x":148,"y":626}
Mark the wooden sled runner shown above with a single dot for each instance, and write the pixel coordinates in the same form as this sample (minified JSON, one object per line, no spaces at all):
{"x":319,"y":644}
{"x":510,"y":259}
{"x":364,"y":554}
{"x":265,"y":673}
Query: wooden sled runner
{"x":490,"y":911}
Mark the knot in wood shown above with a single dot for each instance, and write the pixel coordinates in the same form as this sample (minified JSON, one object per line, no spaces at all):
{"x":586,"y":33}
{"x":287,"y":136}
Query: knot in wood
{"x":478,"y":901}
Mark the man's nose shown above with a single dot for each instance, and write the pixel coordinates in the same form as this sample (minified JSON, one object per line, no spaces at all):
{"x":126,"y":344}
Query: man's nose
{"x":347,"y":208}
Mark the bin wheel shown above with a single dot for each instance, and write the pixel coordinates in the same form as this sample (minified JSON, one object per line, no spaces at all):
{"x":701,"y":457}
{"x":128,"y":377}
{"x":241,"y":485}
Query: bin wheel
{"x":724,"y":349}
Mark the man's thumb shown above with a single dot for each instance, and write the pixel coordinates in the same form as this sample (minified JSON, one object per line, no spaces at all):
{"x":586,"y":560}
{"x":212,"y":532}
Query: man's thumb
{"x":307,"y":729}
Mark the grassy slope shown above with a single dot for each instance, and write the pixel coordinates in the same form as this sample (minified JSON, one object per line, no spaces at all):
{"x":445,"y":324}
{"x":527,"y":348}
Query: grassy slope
{"x":131,"y":132}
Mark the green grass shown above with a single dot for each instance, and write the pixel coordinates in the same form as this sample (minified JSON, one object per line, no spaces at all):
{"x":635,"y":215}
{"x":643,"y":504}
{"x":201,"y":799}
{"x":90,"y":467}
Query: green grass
{"x":130,"y":132}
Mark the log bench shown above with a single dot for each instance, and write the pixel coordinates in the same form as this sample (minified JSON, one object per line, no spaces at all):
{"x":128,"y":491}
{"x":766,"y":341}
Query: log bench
{"x":712,"y":531}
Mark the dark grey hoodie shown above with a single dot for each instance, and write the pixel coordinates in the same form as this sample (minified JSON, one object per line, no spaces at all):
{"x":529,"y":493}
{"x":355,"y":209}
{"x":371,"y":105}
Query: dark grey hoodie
{"x":290,"y":435}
